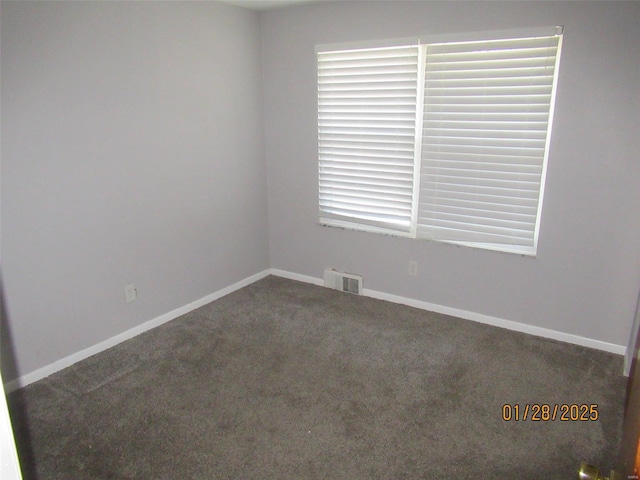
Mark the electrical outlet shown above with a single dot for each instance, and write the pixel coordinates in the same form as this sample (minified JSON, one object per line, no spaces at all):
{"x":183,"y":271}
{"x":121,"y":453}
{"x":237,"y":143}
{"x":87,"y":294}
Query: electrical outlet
{"x":130,"y":293}
{"x":413,"y":268}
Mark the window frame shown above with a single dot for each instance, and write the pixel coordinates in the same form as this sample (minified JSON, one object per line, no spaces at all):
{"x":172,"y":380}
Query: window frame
{"x":422,"y":43}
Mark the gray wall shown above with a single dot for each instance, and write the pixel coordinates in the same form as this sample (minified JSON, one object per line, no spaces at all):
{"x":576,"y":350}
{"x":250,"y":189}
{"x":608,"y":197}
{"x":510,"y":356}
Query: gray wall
{"x":586,"y":276}
{"x":132,"y":152}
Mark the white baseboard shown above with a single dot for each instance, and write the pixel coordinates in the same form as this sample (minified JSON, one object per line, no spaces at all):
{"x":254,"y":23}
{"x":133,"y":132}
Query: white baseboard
{"x":473,"y":316}
{"x":476,"y":317}
{"x":296,"y":276}
{"x":500,"y":322}
{"x":126,"y":335}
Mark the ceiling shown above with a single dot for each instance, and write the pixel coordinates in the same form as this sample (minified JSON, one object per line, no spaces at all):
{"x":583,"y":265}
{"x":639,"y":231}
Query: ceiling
{"x":266,"y":4}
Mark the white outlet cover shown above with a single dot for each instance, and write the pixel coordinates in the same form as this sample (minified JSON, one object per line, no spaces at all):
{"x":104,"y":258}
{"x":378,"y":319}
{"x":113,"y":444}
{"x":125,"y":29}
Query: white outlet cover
{"x":413,"y":268}
{"x":130,"y":293}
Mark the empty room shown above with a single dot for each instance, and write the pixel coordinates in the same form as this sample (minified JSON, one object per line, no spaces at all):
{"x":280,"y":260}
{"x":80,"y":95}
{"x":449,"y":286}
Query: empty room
{"x":318,"y":239}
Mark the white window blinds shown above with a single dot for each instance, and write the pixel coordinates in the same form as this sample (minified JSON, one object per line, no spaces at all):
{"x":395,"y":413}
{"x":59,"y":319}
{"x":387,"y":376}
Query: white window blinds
{"x":366,"y":135}
{"x":485,"y":133}
{"x":443,"y":141}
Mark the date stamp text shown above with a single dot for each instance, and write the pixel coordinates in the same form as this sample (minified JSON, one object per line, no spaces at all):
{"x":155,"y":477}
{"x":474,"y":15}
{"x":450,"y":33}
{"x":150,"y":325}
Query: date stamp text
{"x":541,"y":412}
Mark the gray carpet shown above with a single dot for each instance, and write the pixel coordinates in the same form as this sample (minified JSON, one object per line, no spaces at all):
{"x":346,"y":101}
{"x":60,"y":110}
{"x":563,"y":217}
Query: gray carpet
{"x":284,"y":380}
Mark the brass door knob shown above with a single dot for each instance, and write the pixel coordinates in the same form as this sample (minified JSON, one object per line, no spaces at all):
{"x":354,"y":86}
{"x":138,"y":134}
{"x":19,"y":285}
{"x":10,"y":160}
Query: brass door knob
{"x":589,"y":472}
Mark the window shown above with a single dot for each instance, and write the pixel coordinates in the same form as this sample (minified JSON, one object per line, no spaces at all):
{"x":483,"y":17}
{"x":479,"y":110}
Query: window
{"x":442,"y":141}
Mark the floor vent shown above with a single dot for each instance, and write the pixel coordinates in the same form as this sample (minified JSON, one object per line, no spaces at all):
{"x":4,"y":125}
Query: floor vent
{"x":345,"y":282}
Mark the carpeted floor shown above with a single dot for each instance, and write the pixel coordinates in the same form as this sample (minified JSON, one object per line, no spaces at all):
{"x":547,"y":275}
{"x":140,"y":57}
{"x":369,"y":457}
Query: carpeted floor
{"x":285,"y":380}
